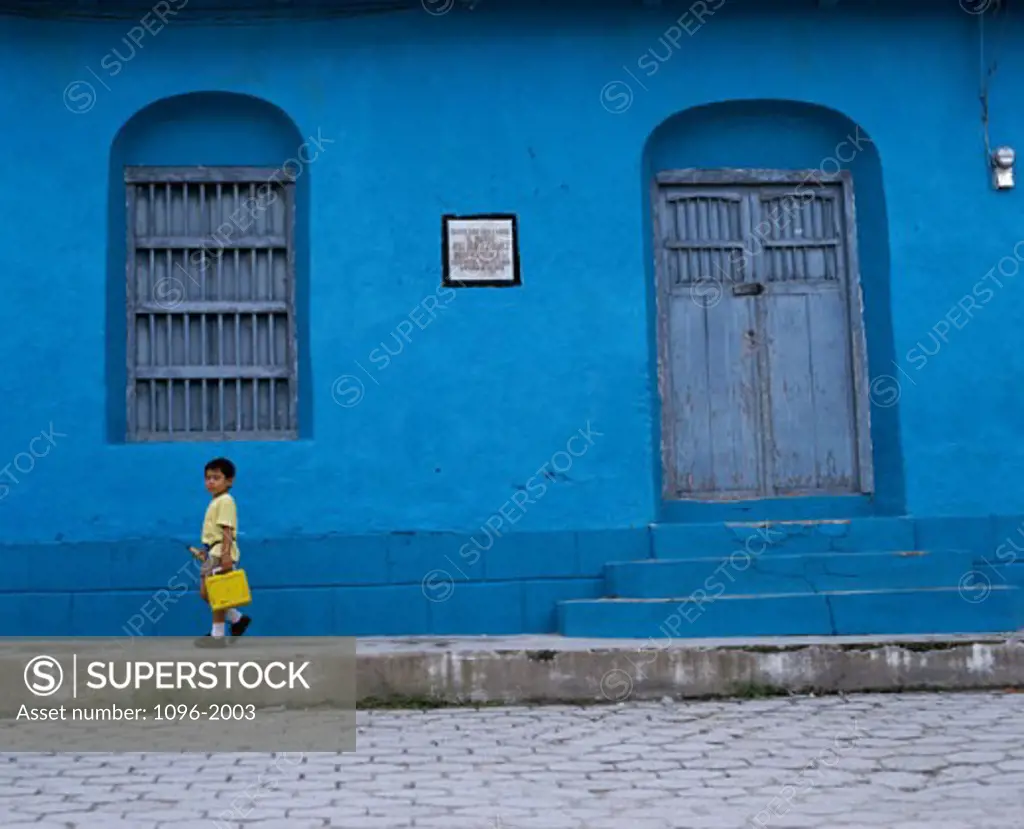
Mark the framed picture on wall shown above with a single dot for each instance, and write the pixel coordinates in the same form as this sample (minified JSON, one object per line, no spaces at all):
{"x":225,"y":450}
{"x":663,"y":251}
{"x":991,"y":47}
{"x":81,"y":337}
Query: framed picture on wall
{"x":480,"y":251}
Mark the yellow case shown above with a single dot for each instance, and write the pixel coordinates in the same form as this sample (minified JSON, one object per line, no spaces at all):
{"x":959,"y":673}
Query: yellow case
{"x":228,"y":590}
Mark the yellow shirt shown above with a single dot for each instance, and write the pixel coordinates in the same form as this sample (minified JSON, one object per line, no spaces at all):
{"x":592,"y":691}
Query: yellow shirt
{"x":222,"y":512}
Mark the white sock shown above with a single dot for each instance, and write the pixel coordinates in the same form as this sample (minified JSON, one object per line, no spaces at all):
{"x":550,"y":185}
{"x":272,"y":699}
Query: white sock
{"x":218,"y":629}
{"x":233,"y":615}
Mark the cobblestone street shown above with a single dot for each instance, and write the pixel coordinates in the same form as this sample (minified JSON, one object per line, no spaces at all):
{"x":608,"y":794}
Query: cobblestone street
{"x":911,"y":761}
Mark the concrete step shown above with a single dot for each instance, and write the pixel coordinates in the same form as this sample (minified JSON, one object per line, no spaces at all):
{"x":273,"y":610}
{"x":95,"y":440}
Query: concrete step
{"x":831,"y":613}
{"x":847,"y":535}
{"x":521,"y":670}
{"x":746,"y":574}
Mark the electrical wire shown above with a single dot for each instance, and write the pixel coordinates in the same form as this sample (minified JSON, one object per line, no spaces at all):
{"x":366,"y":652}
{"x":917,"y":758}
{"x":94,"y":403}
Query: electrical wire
{"x":988,"y":70}
{"x":984,"y":74}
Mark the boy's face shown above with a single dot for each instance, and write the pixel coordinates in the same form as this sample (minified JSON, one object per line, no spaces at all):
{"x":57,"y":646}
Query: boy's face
{"x":216,"y":483}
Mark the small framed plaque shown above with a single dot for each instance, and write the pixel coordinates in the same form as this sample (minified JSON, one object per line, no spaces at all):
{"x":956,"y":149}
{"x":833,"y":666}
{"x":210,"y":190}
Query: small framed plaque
{"x":480,"y":251}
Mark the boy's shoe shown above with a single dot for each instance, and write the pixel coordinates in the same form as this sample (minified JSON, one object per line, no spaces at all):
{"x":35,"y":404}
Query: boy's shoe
{"x":238,"y":628}
{"x":209,"y":641}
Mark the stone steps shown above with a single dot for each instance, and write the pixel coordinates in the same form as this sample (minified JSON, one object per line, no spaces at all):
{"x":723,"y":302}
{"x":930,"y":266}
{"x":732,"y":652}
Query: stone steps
{"x":746,"y":574}
{"x":820,"y":577}
{"x":850,"y":535}
{"x":936,"y":610}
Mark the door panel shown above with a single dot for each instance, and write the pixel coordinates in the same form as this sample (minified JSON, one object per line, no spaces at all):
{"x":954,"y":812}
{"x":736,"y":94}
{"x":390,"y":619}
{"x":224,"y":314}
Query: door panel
{"x":811,"y":430}
{"x":800,"y":235}
{"x":733,"y":401}
{"x":835,"y":433}
{"x":712,"y":365}
{"x":790,"y":403}
{"x":714,"y":377}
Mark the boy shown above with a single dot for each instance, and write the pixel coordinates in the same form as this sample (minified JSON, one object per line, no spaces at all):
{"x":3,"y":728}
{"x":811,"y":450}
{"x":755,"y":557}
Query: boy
{"x":220,"y":529}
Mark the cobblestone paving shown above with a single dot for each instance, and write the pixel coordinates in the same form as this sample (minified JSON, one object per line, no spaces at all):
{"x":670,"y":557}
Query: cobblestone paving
{"x":914,"y":761}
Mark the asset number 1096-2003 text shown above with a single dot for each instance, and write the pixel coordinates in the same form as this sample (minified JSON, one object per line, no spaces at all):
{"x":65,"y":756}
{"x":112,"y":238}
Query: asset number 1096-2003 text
{"x":159,"y":713}
{"x":212,"y":711}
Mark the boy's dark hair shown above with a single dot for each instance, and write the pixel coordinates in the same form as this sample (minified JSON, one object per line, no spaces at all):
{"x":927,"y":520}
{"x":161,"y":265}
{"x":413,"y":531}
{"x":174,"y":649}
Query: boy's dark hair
{"x":222,"y":465}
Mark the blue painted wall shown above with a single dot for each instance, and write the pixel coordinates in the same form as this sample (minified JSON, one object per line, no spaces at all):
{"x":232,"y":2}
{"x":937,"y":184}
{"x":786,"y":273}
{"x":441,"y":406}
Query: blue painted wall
{"x":498,"y":109}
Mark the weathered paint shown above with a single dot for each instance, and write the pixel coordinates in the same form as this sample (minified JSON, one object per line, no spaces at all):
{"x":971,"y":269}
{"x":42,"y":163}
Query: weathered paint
{"x":760,"y":335}
{"x":466,"y":396}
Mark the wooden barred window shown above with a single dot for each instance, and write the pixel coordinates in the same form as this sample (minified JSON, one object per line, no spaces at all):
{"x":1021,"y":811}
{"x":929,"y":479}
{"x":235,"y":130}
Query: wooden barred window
{"x":211,"y":304}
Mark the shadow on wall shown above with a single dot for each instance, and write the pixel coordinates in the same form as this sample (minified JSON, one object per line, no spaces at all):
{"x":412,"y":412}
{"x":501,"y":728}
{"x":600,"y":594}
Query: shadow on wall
{"x":791,"y":135}
{"x":213,"y":129}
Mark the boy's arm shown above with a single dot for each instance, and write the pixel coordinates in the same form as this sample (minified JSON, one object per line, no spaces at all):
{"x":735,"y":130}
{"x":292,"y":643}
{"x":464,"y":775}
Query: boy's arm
{"x":227,"y":520}
{"x":225,"y":548}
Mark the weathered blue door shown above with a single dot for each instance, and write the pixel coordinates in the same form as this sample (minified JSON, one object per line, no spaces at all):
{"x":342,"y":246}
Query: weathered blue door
{"x":761,"y":339}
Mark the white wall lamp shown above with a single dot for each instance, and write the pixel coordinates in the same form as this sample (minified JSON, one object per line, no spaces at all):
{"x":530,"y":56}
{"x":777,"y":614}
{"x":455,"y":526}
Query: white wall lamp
{"x":1002,"y":168}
